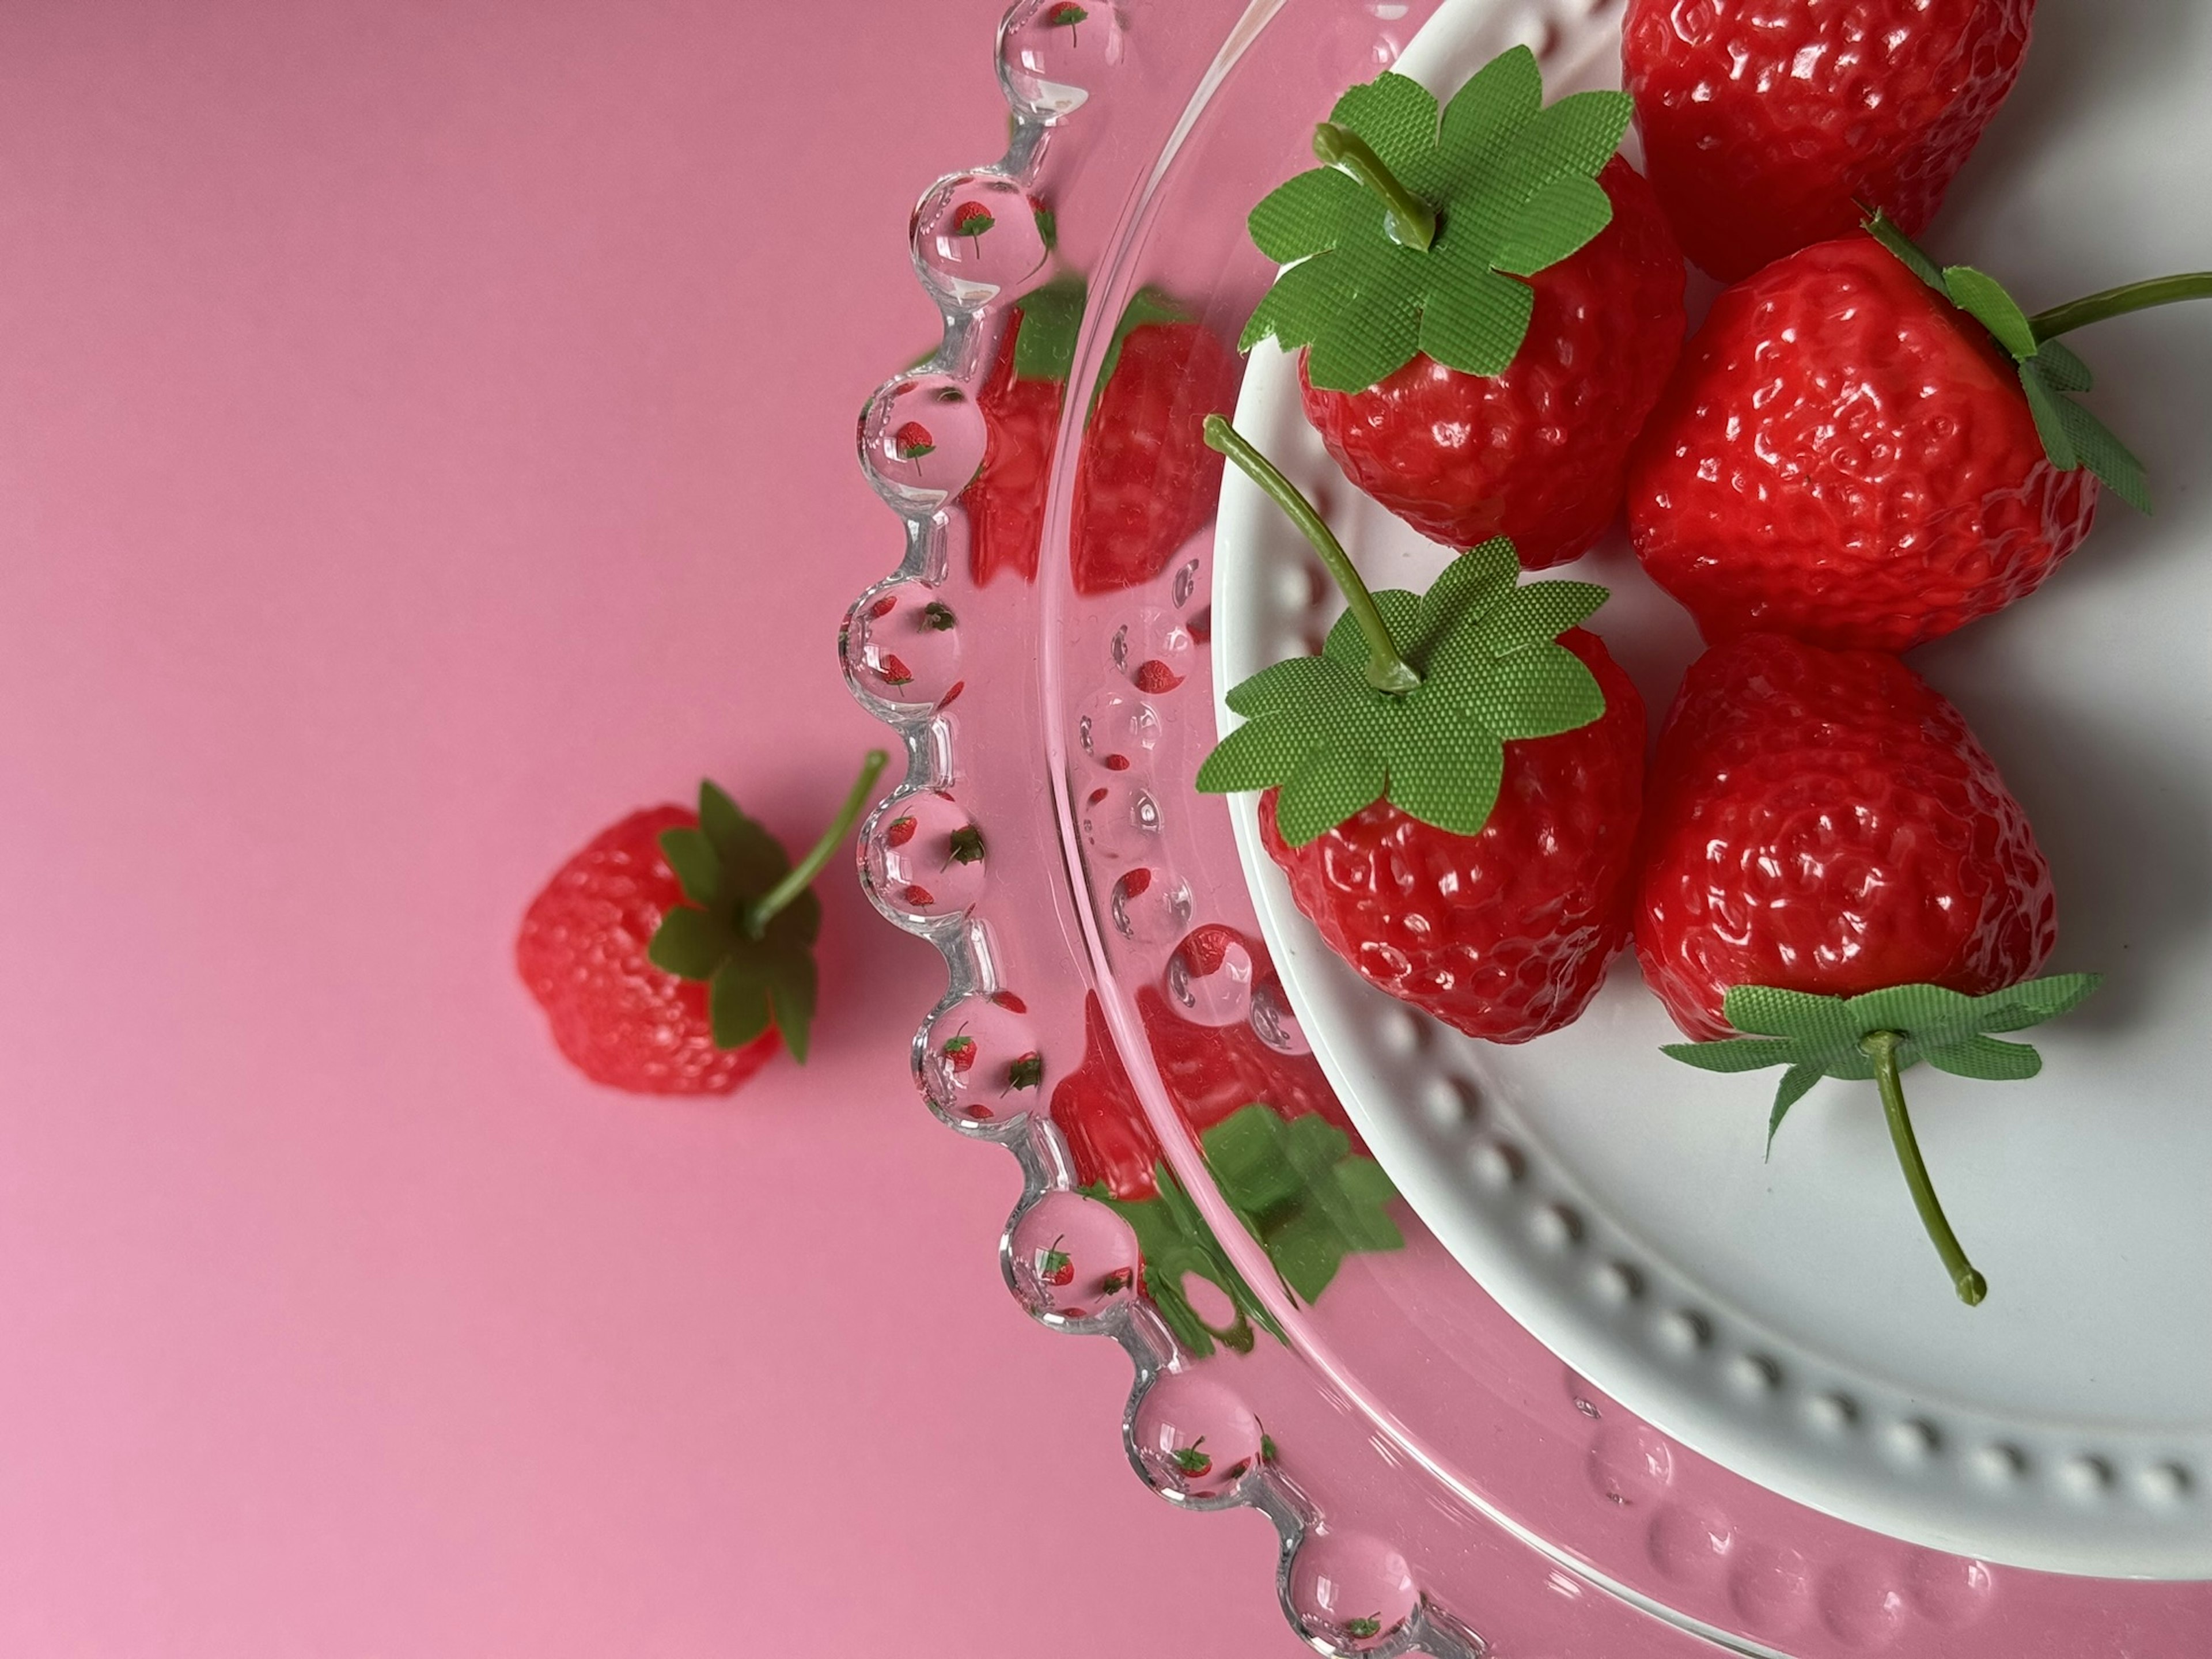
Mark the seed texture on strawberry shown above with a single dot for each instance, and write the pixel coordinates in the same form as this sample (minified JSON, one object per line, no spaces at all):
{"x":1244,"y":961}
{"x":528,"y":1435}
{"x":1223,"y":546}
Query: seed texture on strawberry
{"x":1824,"y":822}
{"x":1764,"y":121}
{"x":1866,"y":452}
{"x":673,"y":955}
{"x":1488,"y":302}
{"x":1020,"y":405}
{"x":1145,"y":482}
{"x":1453,"y":787}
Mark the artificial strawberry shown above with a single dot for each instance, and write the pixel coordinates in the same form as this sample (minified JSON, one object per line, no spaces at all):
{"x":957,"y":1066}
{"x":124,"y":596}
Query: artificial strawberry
{"x":1453,"y":786}
{"x":1488,"y":304}
{"x":1020,"y":406}
{"x":674,"y":954}
{"x":1867,"y":451}
{"x":1831,"y":862}
{"x":1145,"y":482}
{"x":1764,"y":120}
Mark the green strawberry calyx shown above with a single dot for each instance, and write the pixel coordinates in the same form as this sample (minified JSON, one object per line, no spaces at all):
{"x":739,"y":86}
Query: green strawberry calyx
{"x":2050,"y":371}
{"x":1049,"y":319}
{"x":1419,"y":231}
{"x":749,"y":923}
{"x":1414,"y":695}
{"x":1877,"y":1037}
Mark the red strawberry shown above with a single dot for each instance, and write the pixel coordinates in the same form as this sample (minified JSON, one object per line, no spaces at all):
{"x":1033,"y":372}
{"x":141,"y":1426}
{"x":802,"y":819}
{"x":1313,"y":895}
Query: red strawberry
{"x":1099,"y":1115}
{"x":1452,"y":786}
{"x":1536,"y":452}
{"x":1504,"y":934}
{"x":1822,"y":822}
{"x":1847,"y":455}
{"x":1145,"y":482}
{"x":1194,"y":1463}
{"x":1020,"y":406}
{"x":1486,"y":301}
{"x":1764,"y":120}
{"x":673,"y":954}
{"x":1055,"y":1267}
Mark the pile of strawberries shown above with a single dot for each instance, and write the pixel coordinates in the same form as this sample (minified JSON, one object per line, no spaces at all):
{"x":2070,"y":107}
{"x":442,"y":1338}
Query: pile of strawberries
{"x":1857,"y":452}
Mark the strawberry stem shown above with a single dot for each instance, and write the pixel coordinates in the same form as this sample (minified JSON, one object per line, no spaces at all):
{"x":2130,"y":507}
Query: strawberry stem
{"x":1881,"y":1047}
{"x":1386,"y":670}
{"x":2118,"y":301}
{"x":1407,"y":219}
{"x":800,"y":876}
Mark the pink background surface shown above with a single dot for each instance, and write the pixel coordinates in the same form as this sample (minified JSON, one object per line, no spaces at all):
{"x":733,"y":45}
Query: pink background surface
{"x":425,"y":434}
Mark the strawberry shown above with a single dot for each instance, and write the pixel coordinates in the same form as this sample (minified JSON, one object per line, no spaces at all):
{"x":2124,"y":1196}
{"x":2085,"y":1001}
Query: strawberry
{"x":1764,"y":120}
{"x":1020,"y":406}
{"x":1832,"y":864}
{"x":1055,"y":1267}
{"x":1145,"y":482}
{"x":1452,"y":786}
{"x":673,"y":955}
{"x":1487,"y":303}
{"x":1867,"y":451}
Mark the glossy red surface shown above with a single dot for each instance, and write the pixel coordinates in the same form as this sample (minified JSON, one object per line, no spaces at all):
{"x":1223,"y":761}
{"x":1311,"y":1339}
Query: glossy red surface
{"x":1824,"y":822}
{"x":1763,"y":120}
{"x":1845,"y":456}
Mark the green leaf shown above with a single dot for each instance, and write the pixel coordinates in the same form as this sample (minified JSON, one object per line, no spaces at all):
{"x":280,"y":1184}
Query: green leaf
{"x":1454,"y":788}
{"x":1328,"y":788}
{"x":738,"y":1002}
{"x":2062,"y":370}
{"x":1559,"y":220}
{"x":1535,"y":614}
{"x":2050,"y":412}
{"x":692,"y":857}
{"x":1772,"y":1012}
{"x":2032,"y":1001}
{"x":1796,"y":1082}
{"x":689,"y":944}
{"x":1512,"y":185}
{"x":792,"y":988}
{"x":1985,"y":1058}
{"x":1286,"y":685}
{"x":1301,"y":215}
{"x":1732,"y":1053}
{"x":1884,"y":231}
{"x":1260,"y":754}
{"x":2104,"y":454}
{"x":1536,"y":692}
{"x":1301,"y":1193}
{"x":752,"y":860}
{"x":1476,"y":327}
{"x":1982,"y":297}
{"x":1051,"y":318}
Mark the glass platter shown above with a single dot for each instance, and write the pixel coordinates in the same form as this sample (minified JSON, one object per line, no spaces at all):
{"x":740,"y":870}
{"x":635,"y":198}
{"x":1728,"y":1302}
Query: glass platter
{"x":1440,"y":1481}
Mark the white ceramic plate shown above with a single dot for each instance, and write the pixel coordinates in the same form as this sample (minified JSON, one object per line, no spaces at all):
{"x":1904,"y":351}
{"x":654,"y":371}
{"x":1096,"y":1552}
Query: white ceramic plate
{"x":1789,"y":1318}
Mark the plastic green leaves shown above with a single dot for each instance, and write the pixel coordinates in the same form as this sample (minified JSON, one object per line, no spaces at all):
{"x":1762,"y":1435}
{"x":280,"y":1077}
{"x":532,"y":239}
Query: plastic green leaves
{"x":2048,"y":370}
{"x":1051,"y":316}
{"x":1513,"y":186}
{"x":1492,"y":670}
{"x":724,"y":865}
{"x":1299,"y":1189}
{"x":1818,"y":1037}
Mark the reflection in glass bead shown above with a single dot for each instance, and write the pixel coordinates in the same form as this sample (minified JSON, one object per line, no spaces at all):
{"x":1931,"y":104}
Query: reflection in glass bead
{"x":1118,"y":819}
{"x":1072,"y":1257}
{"x":1194,"y":1439}
{"x":1149,"y":905}
{"x":1156,"y":651}
{"x":921,"y":441}
{"x":1209,"y":977}
{"x":1053,"y":54}
{"x":925,"y":857}
{"x":1275,"y":1020}
{"x":1117,"y":730}
{"x":1350,"y":1593}
{"x":901,"y":646}
{"x":980,"y":1063}
{"x":976,"y":235}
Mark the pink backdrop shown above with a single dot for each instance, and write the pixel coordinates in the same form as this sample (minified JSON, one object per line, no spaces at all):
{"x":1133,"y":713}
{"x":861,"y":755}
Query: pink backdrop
{"x":425,"y":433}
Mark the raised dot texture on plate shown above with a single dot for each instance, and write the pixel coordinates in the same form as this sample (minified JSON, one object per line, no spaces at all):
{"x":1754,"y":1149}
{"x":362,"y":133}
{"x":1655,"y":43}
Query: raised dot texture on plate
{"x":1350,"y":1593}
{"x":980,"y":1062}
{"x":925,"y":858}
{"x":978,"y":235}
{"x":1072,"y":1257}
{"x":1054,"y":54}
{"x":921,"y":439}
{"x":901,"y":647}
{"x":1193,"y":1438}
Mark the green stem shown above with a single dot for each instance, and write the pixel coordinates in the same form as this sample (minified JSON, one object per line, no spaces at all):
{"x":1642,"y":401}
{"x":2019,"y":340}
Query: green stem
{"x":2118,"y":301}
{"x":1386,"y":670}
{"x":1407,"y":219}
{"x":800,"y":876}
{"x":1880,"y":1046}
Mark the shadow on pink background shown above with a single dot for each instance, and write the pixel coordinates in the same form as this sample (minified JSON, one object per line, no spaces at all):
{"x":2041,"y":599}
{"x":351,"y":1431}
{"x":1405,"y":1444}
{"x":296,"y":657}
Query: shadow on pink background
{"x":425,"y":434}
